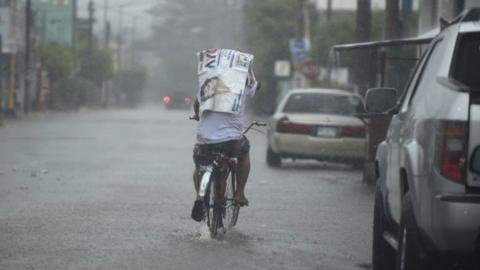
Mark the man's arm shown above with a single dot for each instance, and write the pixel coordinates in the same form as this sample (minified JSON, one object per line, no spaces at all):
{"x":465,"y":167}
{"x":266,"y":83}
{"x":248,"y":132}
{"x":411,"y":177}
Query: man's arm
{"x":196,"y":109}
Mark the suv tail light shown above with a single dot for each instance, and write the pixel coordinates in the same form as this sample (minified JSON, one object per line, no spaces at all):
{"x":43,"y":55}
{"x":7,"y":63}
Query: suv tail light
{"x":353,"y":132}
{"x":451,"y":149}
{"x":285,"y":126}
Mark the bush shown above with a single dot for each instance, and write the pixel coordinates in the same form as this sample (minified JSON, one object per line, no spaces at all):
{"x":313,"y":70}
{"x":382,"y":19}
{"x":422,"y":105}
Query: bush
{"x":130,"y":84}
{"x":72,"y":93}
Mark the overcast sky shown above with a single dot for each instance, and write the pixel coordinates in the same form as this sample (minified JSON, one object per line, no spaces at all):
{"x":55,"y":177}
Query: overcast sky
{"x":134,"y":8}
{"x":131,"y":9}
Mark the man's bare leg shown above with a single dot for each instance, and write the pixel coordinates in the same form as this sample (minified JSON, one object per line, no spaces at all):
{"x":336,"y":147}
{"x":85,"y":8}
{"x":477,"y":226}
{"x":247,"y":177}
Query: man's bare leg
{"x":242,"y":175}
{"x":197,"y":211}
{"x":196,"y":180}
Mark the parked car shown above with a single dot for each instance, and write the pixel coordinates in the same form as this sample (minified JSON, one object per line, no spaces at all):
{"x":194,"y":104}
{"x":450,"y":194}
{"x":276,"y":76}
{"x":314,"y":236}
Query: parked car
{"x":178,"y":100}
{"x":317,"y":124}
{"x":427,"y":202}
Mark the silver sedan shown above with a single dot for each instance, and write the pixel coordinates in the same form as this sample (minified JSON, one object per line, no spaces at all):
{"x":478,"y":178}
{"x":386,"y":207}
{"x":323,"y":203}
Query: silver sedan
{"x":319,"y":124}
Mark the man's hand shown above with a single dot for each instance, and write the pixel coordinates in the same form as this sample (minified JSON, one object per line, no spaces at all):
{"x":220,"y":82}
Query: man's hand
{"x":196,"y":108}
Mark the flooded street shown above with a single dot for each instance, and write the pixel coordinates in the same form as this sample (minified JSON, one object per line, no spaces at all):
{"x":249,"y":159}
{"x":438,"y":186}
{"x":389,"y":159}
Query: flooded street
{"x":113,"y":190}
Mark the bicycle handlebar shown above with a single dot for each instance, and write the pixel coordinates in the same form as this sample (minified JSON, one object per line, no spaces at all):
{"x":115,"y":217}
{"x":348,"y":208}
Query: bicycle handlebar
{"x":254,"y":123}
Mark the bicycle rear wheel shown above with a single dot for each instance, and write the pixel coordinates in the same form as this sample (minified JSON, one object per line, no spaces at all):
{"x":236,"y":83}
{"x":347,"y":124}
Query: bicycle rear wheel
{"x":231,"y":209}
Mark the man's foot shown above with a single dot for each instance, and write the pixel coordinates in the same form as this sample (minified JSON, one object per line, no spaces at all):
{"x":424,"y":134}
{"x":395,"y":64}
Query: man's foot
{"x":240,"y":200}
{"x":198,"y":211}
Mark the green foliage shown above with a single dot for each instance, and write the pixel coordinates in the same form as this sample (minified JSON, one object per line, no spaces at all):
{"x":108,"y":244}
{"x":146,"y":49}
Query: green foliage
{"x":339,"y":30}
{"x":57,"y":59}
{"x":270,"y":24}
{"x":62,"y":61}
{"x":97,"y":67}
{"x":72,"y":93}
{"x":131,"y":83}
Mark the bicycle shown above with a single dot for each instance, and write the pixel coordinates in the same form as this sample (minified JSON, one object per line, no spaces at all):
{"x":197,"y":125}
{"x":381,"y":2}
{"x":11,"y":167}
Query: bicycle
{"x":218,"y":186}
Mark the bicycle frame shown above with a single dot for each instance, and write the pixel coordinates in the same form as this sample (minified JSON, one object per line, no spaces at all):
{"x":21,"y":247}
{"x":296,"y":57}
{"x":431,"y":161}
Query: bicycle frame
{"x":220,"y":207}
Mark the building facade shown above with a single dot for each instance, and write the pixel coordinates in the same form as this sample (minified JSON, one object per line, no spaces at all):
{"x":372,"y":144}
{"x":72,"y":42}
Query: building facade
{"x":54,"y":21}
{"x":12,"y":48}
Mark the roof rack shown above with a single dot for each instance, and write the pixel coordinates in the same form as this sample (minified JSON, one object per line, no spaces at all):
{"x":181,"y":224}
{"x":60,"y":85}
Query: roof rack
{"x":468,"y":15}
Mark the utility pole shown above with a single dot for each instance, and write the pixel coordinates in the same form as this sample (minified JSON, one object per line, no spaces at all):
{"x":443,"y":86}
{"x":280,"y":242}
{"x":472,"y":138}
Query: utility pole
{"x":299,"y":29}
{"x":11,"y":96}
{"x":91,"y":11}
{"x":74,"y":21}
{"x":393,"y":30}
{"x":133,"y":33}
{"x":28,"y":47}
{"x":392,"y":19}
{"x":106,"y":22}
{"x":329,"y":10}
{"x":363,"y":67}
{"x":119,"y":37}
{"x":1,"y":86}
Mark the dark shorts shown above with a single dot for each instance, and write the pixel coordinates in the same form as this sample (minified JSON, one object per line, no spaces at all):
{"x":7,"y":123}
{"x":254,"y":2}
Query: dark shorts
{"x":236,"y":148}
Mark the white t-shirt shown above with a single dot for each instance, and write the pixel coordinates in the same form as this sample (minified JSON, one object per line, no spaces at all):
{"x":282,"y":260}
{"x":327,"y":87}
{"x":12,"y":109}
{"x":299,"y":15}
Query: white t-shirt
{"x":217,"y":127}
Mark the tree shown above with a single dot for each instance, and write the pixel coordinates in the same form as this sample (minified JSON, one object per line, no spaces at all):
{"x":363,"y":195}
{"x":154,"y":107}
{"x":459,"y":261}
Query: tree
{"x":131,"y":83}
{"x":57,"y":59}
{"x":338,"y":30}
{"x":75,"y":92}
{"x":271,"y":24}
{"x":97,"y":67}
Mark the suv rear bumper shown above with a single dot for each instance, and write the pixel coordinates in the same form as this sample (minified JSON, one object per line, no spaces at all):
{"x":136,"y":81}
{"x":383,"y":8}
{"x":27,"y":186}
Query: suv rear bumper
{"x":456,"y":222}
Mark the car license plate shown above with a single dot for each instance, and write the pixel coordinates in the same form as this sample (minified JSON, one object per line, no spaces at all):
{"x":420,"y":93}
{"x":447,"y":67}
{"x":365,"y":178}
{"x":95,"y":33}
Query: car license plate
{"x":327,"y":132}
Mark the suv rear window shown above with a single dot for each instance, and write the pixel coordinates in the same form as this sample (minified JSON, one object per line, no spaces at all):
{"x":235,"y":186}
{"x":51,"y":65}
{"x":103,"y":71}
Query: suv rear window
{"x":323,"y":103}
{"x":467,"y":61}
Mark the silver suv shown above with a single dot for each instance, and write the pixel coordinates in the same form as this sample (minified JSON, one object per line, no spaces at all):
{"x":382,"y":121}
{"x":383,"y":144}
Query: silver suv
{"x":427,"y":203}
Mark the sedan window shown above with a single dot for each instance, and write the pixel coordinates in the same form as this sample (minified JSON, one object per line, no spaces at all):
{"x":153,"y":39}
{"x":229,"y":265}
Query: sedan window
{"x":323,"y":103}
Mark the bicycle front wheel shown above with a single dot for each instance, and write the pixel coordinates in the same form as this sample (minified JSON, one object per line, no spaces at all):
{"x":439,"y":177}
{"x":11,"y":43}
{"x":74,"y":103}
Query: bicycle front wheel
{"x":231,"y":209}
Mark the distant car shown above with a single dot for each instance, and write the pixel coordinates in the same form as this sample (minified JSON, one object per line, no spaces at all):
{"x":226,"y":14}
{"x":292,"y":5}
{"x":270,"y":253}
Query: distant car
{"x":178,"y":100}
{"x":317,"y":124}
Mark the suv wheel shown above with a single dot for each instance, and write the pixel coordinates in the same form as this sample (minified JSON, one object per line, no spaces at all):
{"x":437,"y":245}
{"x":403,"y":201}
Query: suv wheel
{"x":273,"y":160}
{"x":410,"y":255}
{"x":383,"y":255}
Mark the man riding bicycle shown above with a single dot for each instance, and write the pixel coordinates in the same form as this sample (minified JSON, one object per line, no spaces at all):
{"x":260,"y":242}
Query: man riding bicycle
{"x":224,"y":131}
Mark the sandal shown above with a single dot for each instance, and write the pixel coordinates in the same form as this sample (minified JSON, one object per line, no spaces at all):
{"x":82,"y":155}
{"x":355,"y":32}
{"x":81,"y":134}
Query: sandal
{"x":198,"y":211}
{"x":241,"y":202}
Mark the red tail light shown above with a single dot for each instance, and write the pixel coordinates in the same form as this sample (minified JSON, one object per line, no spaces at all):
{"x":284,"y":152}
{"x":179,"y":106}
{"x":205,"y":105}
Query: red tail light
{"x":353,"y":132}
{"x":285,"y":126}
{"x":451,"y":149}
{"x":187,"y":100}
{"x":167,"y":99}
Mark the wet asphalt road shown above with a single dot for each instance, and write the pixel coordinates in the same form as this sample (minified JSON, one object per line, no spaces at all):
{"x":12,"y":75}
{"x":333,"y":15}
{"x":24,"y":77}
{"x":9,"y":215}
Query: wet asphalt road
{"x":113,"y":190}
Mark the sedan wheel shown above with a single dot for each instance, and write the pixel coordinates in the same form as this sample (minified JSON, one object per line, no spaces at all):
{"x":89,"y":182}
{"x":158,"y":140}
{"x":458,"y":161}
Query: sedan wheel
{"x":273,"y":159}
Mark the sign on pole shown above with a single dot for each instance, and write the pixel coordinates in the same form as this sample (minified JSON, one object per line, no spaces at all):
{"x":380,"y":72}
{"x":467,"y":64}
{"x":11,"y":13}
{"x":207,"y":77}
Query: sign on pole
{"x":298,"y":49}
{"x":310,"y":69}
{"x":282,"y":68}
